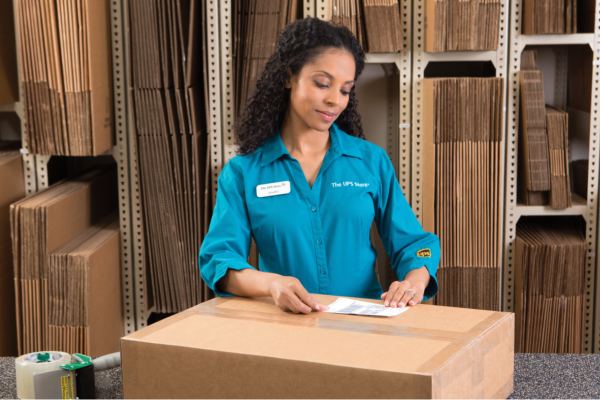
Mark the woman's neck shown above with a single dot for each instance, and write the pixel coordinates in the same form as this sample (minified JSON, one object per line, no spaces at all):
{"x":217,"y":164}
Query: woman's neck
{"x":301,"y":140}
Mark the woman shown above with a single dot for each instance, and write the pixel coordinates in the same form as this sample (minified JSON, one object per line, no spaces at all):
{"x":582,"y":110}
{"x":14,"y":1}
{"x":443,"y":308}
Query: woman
{"x":307,"y":187}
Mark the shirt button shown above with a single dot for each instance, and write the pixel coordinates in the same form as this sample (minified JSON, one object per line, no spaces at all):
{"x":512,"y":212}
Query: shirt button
{"x":313,"y":209}
{"x":319,"y":241}
{"x":322,"y":272}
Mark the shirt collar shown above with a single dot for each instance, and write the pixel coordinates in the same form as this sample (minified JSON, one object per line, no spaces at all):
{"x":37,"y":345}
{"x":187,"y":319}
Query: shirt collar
{"x":341,"y":143}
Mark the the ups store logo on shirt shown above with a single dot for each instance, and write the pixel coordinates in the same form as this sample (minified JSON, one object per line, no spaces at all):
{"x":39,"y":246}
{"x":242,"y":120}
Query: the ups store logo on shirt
{"x":424,"y":253}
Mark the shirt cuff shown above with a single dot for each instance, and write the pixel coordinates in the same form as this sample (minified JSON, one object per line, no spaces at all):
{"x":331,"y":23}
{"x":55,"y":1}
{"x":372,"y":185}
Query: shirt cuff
{"x":221,"y":273}
{"x":432,"y":287}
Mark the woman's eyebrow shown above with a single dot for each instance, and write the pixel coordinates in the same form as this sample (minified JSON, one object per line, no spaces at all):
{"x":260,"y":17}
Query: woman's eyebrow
{"x":331,"y":76}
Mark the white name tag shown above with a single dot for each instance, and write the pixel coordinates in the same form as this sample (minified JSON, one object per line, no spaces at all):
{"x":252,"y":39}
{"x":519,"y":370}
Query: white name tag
{"x":273,"y":189}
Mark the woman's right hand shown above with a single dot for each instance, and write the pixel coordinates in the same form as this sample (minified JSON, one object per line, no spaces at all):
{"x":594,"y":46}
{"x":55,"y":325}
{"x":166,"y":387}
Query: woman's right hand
{"x":289,"y":294}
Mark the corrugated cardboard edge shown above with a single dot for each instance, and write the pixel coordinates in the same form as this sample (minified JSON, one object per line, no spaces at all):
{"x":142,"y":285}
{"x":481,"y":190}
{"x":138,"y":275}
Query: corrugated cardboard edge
{"x":528,"y":17}
{"x":429,"y":28}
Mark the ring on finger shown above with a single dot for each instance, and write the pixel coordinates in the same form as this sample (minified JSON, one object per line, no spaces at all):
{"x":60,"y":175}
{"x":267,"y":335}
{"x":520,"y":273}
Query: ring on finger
{"x":412,"y":294}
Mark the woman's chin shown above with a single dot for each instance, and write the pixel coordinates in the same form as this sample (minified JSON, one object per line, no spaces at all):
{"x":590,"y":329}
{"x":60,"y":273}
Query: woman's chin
{"x":321,"y":125}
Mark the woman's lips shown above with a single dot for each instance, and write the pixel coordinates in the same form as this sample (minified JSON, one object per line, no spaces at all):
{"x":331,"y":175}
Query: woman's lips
{"x":326,"y":116}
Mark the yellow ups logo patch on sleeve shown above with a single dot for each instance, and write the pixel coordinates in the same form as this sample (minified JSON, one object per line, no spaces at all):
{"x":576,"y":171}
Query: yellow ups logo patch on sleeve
{"x":424,"y":253}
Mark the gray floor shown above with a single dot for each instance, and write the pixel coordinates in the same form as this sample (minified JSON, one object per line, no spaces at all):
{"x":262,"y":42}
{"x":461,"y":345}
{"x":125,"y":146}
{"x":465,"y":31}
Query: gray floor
{"x":546,"y":376}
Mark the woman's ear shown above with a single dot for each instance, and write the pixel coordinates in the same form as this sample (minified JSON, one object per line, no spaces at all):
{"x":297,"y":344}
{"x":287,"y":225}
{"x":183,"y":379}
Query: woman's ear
{"x":287,"y":82}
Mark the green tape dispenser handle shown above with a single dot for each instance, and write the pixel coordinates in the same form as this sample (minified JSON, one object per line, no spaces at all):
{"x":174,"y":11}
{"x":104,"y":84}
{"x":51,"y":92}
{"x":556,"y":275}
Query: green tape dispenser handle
{"x":78,"y":361}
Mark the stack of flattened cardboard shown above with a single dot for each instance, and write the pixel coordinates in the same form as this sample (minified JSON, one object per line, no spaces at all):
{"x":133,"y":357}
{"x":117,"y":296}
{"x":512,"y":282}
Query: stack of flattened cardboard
{"x":13,"y":189}
{"x":42,"y":223}
{"x":461,"y":189}
{"x":169,"y":95}
{"x":382,"y":23}
{"x":375,"y":23}
{"x":350,"y":14}
{"x":257,"y":24}
{"x":452,"y":25}
{"x":549,"y":285}
{"x":549,"y":16}
{"x":543,"y":143}
{"x":557,"y":126}
{"x":67,"y":76}
{"x":85,"y":313}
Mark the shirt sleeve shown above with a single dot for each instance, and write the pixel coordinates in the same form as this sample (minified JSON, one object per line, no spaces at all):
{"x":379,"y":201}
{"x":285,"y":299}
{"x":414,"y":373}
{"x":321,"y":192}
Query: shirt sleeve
{"x":404,"y":239}
{"x":227,"y":243}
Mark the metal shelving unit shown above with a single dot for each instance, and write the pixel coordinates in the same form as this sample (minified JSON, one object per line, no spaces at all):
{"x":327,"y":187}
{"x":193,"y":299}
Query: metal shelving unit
{"x":586,"y":208}
{"x":35,"y":166}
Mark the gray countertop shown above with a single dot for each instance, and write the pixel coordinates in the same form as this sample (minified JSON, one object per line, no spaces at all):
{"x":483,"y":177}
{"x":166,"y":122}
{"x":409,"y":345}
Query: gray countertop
{"x":548,"y":376}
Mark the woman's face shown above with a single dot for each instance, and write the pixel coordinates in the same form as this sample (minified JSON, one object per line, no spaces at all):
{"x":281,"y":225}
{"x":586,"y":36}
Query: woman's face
{"x":320,"y":91}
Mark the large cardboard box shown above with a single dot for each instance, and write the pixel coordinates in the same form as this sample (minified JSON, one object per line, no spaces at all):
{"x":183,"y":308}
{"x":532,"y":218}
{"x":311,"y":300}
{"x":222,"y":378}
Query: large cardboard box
{"x":249,"y":348}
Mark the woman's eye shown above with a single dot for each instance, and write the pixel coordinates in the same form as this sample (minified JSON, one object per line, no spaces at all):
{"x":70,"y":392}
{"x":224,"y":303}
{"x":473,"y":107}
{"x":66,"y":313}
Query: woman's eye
{"x":345,"y":93}
{"x":320,"y":85}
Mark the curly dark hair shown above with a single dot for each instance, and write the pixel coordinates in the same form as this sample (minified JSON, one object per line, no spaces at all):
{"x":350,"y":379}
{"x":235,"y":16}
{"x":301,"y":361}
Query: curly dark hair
{"x":298,"y":44}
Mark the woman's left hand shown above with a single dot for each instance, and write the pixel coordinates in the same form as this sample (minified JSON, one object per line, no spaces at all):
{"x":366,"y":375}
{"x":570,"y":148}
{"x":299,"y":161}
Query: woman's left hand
{"x":399,"y":296}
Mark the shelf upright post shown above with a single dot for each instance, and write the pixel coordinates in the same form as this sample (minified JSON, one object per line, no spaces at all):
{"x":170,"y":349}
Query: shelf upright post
{"x":214,"y":93}
{"x":227,"y":79}
{"x":592,"y":217}
{"x":132,"y":310}
{"x":310,"y":7}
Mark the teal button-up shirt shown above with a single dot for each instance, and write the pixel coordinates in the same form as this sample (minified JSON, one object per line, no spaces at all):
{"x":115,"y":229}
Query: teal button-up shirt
{"x":321,"y":235}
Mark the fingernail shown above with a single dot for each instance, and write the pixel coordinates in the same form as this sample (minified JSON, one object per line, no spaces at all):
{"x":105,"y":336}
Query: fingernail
{"x":401,"y":305}
{"x":411,"y":303}
{"x":393,"y":305}
{"x":317,"y":307}
{"x":387,"y":304}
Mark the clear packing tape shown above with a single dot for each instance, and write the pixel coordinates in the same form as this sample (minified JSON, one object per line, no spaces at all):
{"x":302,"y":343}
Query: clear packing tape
{"x":265,"y":310}
{"x":28,"y":365}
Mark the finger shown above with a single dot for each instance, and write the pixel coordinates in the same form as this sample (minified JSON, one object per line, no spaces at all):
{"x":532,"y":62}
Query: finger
{"x":390,"y":293}
{"x":405,"y":298}
{"x":383,"y":295}
{"x":399,"y":293}
{"x":288,"y":305}
{"x":307,"y":298}
{"x":298,"y":304}
{"x":417,"y":299}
